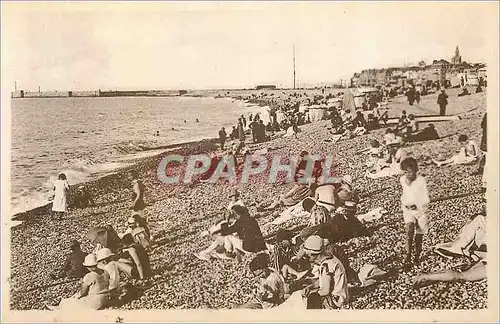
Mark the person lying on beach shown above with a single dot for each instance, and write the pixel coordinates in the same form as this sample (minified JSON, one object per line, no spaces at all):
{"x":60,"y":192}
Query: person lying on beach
{"x":468,"y":153}
{"x":427,"y":134}
{"x":299,"y":191}
{"x":301,"y":210}
{"x":73,"y":266}
{"x":470,"y":242}
{"x":295,"y":195}
{"x":136,"y":256}
{"x":270,"y":290}
{"x":247,"y":239}
{"x":94,"y":289}
{"x":329,"y":291}
{"x":473,"y":236}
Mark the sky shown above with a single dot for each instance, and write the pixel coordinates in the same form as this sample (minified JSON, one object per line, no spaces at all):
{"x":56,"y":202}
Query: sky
{"x":159,"y":45}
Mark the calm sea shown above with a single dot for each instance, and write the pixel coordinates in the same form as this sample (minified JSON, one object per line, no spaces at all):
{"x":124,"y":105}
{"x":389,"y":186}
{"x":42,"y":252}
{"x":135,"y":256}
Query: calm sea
{"x":88,"y":137}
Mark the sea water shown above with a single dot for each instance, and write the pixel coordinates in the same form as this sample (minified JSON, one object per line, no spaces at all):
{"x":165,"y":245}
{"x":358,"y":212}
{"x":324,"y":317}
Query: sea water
{"x":89,"y":137}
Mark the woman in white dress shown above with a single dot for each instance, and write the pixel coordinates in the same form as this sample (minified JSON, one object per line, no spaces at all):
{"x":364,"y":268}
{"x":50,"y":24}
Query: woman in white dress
{"x":60,"y":202}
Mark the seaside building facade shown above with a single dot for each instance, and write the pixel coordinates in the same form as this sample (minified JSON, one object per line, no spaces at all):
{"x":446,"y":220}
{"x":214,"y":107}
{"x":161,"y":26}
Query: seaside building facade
{"x":455,"y":73}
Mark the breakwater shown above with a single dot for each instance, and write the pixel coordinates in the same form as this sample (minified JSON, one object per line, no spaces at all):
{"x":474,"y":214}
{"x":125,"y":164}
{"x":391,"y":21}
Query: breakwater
{"x":98,"y":93}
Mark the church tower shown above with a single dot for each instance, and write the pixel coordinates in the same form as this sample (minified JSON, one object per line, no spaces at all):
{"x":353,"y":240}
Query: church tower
{"x":456,"y":59}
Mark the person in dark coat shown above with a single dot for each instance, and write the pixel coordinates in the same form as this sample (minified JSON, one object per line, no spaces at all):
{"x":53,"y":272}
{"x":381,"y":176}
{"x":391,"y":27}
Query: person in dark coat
{"x":243,"y":236}
{"x":73,"y":266}
{"x":222,"y":138}
{"x":427,"y":134}
{"x":410,"y":94}
{"x":442,"y":102}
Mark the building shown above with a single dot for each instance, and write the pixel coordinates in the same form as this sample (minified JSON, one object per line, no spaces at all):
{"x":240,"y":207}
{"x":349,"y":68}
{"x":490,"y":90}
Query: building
{"x":456,"y":59}
{"x":265,"y":87}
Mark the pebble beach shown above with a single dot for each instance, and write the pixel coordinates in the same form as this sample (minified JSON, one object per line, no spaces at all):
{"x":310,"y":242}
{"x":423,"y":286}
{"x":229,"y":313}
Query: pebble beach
{"x":181,"y":212}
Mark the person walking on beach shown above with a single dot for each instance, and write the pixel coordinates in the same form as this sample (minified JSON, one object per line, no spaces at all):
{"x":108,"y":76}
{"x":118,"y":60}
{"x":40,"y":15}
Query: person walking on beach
{"x":241,"y":135}
{"x":60,"y":201}
{"x":442,"y":102}
{"x":414,"y":202}
{"x":222,"y":138}
{"x":138,"y":204}
{"x":244,"y":121}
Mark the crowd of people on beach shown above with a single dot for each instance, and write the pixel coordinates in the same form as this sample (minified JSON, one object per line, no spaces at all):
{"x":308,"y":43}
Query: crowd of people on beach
{"x":308,"y":269}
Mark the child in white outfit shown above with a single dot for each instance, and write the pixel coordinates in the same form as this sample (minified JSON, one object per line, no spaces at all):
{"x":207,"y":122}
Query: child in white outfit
{"x":414,"y":202}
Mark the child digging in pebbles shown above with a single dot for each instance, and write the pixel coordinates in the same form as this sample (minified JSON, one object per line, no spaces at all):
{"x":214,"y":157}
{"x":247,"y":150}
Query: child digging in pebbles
{"x":414,"y":202}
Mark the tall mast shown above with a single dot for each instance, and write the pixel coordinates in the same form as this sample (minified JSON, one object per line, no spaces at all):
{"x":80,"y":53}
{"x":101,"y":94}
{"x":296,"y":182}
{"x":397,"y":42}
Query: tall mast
{"x":294,"y":66}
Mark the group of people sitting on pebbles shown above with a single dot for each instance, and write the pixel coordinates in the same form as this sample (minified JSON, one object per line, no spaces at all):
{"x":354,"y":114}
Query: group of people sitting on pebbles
{"x":115,"y":257}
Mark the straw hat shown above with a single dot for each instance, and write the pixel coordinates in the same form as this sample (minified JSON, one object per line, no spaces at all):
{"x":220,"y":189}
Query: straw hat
{"x":313,"y":244}
{"x":103,"y":254}
{"x":90,"y":260}
{"x":369,"y":273}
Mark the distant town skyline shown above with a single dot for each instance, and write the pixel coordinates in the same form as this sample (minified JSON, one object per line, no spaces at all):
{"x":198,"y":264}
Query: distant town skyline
{"x":90,"y":46}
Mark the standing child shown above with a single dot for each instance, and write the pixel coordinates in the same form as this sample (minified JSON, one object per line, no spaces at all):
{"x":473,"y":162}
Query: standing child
{"x":414,"y":201}
{"x":60,"y":201}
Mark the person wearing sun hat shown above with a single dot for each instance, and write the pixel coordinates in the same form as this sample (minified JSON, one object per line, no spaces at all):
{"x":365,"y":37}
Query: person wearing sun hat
{"x":329,"y":291}
{"x":105,"y":262}
{"x":94,"y":289}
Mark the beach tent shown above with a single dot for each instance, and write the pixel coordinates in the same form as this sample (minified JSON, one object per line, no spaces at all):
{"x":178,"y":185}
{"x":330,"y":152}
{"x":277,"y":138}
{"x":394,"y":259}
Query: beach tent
{"x":317,"y":112}
{"x":348,"y":101}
